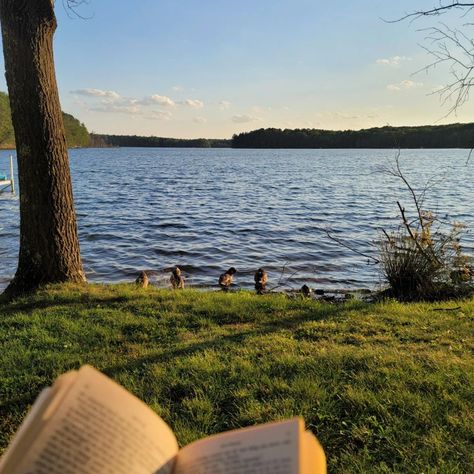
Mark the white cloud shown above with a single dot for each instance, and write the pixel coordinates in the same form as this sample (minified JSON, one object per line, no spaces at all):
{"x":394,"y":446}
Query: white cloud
{"x":245,"y":118}
{"x":112,"y":95}
{"x":394,"y":61}
{"x":224,"y":104}
{"x":200,"y":120}
{"x":194,"y":103}
{"x":111,"y":102}
{"x":156,"y":99}
{"x":404,"y":85}
{"x":162,"y":100}
{"x":177,"y":88}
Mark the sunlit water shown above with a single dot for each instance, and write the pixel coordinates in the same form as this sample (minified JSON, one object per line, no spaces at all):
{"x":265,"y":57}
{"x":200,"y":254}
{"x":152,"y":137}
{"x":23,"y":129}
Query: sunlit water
{"x":208,"y":209}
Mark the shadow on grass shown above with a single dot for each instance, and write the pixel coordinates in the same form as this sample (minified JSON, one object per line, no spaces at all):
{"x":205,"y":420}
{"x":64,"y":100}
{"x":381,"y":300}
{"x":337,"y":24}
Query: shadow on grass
{"x":237,"y":338}
{"x":30,"y":305}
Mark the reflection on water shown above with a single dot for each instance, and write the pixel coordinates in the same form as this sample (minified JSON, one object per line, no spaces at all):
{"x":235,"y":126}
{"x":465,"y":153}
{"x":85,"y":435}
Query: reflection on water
{"x":206,"y":210}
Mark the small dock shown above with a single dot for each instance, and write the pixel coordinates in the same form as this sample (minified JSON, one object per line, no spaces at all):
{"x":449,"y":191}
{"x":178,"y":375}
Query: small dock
{"x":8,"y":183}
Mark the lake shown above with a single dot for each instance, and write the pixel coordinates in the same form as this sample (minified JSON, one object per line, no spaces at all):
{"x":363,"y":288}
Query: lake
{"x":208,"y":209}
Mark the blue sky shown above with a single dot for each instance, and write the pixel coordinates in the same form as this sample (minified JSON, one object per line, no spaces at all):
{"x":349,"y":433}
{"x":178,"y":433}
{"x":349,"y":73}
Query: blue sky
{"x":211,"y":68}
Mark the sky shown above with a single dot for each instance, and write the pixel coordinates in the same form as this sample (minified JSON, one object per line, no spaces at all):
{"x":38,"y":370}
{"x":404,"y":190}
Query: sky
{"x":212,"y":68}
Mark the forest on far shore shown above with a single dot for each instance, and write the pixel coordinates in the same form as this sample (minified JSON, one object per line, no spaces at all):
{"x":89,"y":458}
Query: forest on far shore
{"x":99,"y":141}
{"x":76,"y":132}
{"x":458,"y":135}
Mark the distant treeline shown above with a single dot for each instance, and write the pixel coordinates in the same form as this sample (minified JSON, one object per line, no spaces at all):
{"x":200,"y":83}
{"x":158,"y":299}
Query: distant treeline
{"x":76,"y":132}
{"x":457,"y":135}
{"x":159,"y":142}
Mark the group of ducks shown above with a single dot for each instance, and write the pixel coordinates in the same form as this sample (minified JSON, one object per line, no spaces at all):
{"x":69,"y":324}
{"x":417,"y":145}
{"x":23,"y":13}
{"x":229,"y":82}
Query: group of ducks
{"x":225,"y":279}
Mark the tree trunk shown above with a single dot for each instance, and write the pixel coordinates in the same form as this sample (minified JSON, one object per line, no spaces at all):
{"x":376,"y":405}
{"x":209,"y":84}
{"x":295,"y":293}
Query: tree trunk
{"x":49,"y":245}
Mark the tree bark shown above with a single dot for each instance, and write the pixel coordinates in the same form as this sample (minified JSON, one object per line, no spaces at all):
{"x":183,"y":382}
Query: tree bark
{"x":49,"y":244}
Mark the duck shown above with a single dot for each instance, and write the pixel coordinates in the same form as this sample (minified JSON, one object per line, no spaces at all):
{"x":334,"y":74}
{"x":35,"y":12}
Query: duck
{"x":306,"y":291}
{"x":142,"y":280}
{"x":225,"y":280}
{"x":261,"y":278}
{"x":176,"y":279}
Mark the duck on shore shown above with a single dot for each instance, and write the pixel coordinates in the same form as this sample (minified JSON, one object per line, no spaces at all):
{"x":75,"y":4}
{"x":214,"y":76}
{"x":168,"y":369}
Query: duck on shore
{"x":306,"y":291}
{"x":176,"y":279}
{"x":261,"y":278}
{"x":142,"y":280}
{"x":225,"y":280}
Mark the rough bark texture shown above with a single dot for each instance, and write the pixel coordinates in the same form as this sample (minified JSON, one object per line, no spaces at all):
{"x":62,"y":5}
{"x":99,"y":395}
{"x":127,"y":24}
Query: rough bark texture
{"x":49,"y":244}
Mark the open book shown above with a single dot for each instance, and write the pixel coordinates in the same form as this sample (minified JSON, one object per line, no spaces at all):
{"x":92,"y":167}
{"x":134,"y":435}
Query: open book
{"x":87,"y":423}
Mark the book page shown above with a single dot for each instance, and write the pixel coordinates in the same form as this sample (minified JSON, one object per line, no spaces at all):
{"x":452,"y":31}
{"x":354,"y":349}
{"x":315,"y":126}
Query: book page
{"x":314,"y":459}
{"x":98,"y":428}
{"x":271,"y":448}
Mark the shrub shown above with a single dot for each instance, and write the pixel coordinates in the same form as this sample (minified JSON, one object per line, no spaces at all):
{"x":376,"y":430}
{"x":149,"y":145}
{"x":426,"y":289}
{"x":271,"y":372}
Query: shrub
{"x":419,"y":264}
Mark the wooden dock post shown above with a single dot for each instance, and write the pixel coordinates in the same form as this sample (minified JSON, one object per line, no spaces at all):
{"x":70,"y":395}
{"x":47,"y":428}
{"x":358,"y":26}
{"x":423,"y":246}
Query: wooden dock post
{"x":12,"y":177}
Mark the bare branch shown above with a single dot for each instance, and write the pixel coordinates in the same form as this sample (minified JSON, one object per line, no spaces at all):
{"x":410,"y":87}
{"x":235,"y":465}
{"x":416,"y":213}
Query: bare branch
{"x":449,"y":47}
{"x":71,"y":7}
{"x":469,"y":157}
{"x":435,"y":11}
{"x":413,"y":236}
{"x":342,"y":243}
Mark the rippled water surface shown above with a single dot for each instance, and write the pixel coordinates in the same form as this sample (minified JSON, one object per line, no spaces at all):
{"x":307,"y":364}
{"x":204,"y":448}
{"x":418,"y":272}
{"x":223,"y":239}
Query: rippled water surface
{"x":207,"y":209}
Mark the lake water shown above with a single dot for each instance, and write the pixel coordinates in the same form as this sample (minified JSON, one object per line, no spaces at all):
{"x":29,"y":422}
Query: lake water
{"x":208,"y":209}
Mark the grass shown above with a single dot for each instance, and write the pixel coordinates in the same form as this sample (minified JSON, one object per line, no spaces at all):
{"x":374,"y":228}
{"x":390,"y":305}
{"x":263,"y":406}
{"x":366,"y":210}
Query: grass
{"x":386,"y":387}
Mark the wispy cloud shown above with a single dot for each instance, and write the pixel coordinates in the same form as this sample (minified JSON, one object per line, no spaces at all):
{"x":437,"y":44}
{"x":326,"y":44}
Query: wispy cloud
{"x":159,"y":115}
{"x":97,"y":93}
{"x":177,"y":88}
{"x":150,"y":107}
{"x":119,"y":109}
{"x":394,"y":61}
{"x":225,"y":104}
{"x":105,"y":101}
{"x":157,"y":99}
{"x":194,"y":103}
{"x":346,"y":116}
{"x":245,"y":118}
{"x":404,"y":85}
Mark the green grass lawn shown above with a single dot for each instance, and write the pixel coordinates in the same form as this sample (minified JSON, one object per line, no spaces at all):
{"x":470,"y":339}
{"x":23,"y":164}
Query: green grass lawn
{"x":386,"y":387}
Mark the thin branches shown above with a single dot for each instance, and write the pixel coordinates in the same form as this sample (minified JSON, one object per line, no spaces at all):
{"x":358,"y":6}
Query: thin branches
{"x":456,"y":50}
{"x":450,"y":47}
{"x":280,"y":282}
{"x":422,"y":259}
{"x":370,"y":258}
{"x":418,"y":198}
{"x":71,"y":7}
{"x":435,"y":11}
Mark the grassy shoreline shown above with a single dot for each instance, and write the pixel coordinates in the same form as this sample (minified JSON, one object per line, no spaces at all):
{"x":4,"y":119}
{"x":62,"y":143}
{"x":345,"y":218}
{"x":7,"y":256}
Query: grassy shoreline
{"x":386,"y":387}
